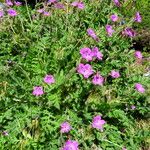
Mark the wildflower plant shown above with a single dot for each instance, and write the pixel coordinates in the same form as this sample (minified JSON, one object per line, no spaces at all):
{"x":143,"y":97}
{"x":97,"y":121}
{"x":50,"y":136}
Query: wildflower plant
{"x":70,"y":77}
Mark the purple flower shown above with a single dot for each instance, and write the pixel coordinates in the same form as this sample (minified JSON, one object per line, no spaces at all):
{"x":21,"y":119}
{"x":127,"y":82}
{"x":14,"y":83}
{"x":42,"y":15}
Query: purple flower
{"x":17,"y":3}
{"x":117,"y":3}
{"x":65,"y":127}
{"x":52,"y":1}
{"x":85,"y":70}
{"x":115,"y":74}
{"x":1,"y":13}
{"x":129,"y":32}
{"x":98,"y":122}
{"x":38,"y":90}
{"x":49,"y":79}
{"x":92,"y":34}
{"x":133,"y":107}
{"x":46,"y":13}
{"x":86,"y":53}
{"x":139,"y":88}
{"x":114,"y":17}
{"x":138,"y":54}
{"x":98,"y":79}
{"x":80,"y":5}
{"x":138,"y":17}
{"x":59,"y":6}
{"x":109,"y":30}
{"x":12,"y":12}
{"x":5,"y":133}
{"x":96,"y":53}
{"x":9,"y":3}
{"x":70,"y":145}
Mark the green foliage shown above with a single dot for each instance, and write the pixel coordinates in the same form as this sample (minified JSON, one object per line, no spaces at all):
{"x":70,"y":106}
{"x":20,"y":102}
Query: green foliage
{"x":32,"y":45}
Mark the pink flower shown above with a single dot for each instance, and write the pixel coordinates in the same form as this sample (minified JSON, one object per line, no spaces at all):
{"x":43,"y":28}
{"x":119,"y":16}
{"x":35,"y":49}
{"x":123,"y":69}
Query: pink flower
{"x":138,"y":17}
{"x":138,"y":54}
{"x":117,"y":3}
{"x":1,"y":13}
{"x":70,"y":145}
{"x":98,"y":122}
{"x":133,"y":107}
{"x":52,"y":1}
{"x":12,"y":12}
{"x":85,"y":70}
{"x":9,"y":3}
{"x":96,"y":53}
{"x":115,"y":74}
{"x":80,"y":5}
{"x":98,"y":79}
{"x":46,"y":13}
{"x":86,"y":53}
{"x":139,"y":88}
{"x":38,"y":90}
{"x":49,"y":79}
{"x":40,"y":10}
{"x":65,"y":127}
{"x":59,"y":6}
{"x":92,"y":34}
{"x":17,"y":3}
{"x":124,"y":148}
{"x":109,"y":30}
{"x":129,"y":32}
{"x":114,"y":17}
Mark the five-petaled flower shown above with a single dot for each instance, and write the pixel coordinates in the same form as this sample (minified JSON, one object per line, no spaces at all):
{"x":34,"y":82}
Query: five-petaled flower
{"x":49,"y":79}
{"x":70,"y":145}
{"x":109,"y":30}
{"x":92,"y":34}
{"x":38,"y":91}
{"x":115,"y":74}
{"x":138,"y":54}
{"x":65,"y":127}
{"x":77,"y":4}
{"x":137,"y":17}
{"x":98,"y":79}
{"x":12,"y":12}
{"x":98,"y":122}
{"x":139,"y":87}
{"x":86,"y":70}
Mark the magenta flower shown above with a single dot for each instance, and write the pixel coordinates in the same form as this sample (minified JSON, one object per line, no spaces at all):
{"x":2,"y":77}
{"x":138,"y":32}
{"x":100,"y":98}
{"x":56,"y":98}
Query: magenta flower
{"x":109,"y":30}
{"x":86,"y":53}
{"x":98,"y":79}
{"x":85,"y":70}
{"x":138,"y":54}
{"x":137,"y":17}
{"x":49,"y":79}
{"x":38,"y":90}
{"x":65,"y":127}
{"x":96,"y":53}
{"x":98,"y":123}
{"x":9,"y":3}
{"x":115,"y":74}
{"x":129,"y":32}
{"x":80,"y":5}
{"x":117,"y":3}
{"x":17,"y":3}
{"x":1,"y":13}
{"x":70,"y":145}
{"x":139,"y":88}
{"x":12,"y":12}
{"x":46,"y":13}
{"x":92,"y":34}
{"x":114,"y":17}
